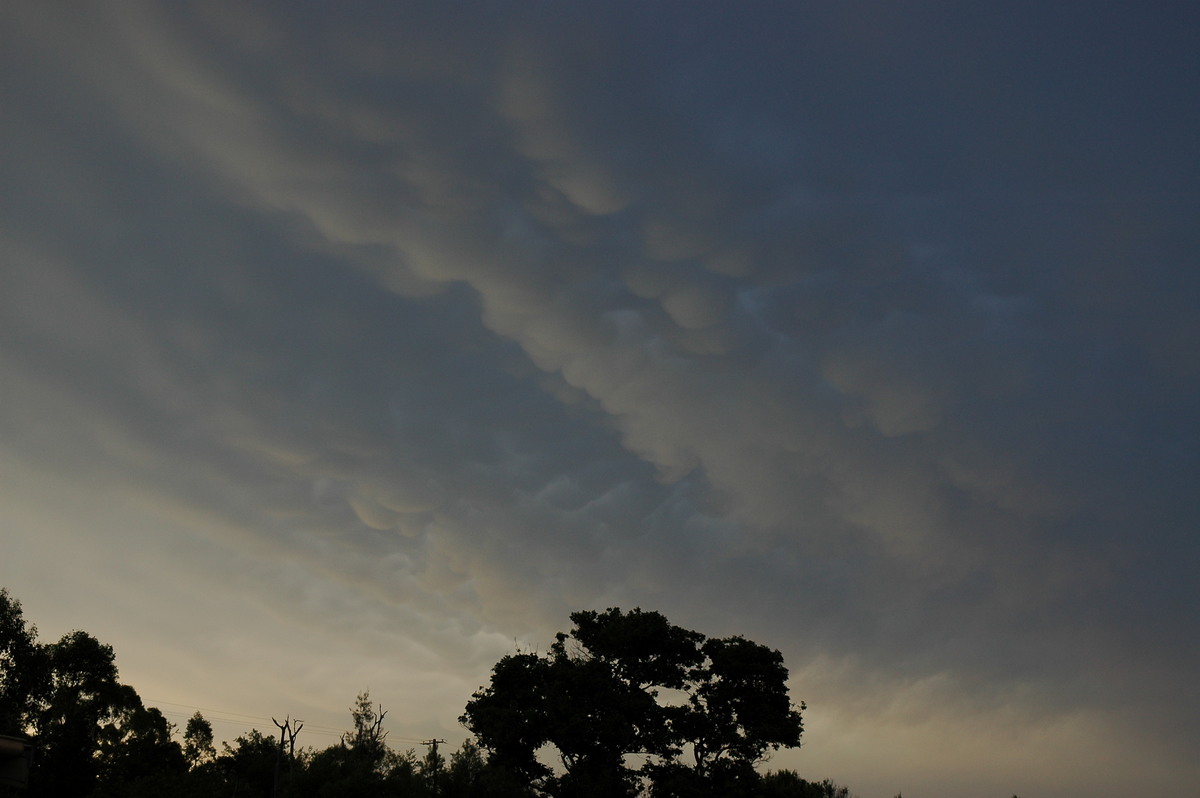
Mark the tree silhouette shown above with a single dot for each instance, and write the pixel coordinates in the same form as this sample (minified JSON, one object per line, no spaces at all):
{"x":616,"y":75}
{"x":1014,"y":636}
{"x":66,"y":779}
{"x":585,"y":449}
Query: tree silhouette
{"x":367,"y":738}
{"x":788,"y":784}
{"x":595,"y":699}
{"x":23,"y":668}
{"x":137,"y":755}
{"x":629,"y":703}
{"x":83,"y":696}
{"x":198,"y":746}
{"x":249,"y":765}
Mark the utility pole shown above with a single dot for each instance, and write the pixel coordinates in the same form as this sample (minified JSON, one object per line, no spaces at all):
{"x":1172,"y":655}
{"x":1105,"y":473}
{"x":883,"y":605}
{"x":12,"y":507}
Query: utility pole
{"x":433,"y":760}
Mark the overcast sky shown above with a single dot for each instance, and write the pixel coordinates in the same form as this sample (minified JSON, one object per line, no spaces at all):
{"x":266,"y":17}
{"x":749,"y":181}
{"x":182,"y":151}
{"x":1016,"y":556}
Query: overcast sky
{"x":353,"y":345}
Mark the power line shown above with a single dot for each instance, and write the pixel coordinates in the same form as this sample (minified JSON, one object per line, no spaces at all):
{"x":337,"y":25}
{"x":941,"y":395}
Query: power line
{"x":230,"y":717}
{"x":435,"y":766}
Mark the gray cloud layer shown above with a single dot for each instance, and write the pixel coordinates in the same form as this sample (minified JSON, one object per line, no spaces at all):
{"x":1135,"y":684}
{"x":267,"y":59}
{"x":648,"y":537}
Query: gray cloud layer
{"x":416,"y":330}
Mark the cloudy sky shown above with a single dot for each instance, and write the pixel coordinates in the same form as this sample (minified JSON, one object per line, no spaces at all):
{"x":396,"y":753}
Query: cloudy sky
{"x":353,"y":345}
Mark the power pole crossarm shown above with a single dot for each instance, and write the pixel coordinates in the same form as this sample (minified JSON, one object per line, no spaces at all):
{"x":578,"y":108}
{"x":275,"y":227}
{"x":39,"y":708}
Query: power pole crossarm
{"x":434,"y":764}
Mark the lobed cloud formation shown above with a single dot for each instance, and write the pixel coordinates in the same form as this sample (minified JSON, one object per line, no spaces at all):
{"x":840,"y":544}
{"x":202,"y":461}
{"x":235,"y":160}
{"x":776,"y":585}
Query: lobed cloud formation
{"x":406,"y":332}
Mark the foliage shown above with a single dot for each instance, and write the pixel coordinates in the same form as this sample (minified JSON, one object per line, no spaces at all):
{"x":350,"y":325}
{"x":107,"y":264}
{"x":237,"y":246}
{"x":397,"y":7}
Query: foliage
{"x":23,"y":668}
{"x":629,"y":703}
{"x":83,"y":696}
{"x":366,"y":742}
{"x":249,"y":764}
{"x":198,"y":746}
{"x":136,"y":753}
{"x":788,"y":784}
{"x":596,"y":699}
{"x":738,"y":707}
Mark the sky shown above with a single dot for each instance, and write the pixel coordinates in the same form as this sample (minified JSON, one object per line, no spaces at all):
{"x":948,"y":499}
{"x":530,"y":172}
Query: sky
{"x":355,"y":345}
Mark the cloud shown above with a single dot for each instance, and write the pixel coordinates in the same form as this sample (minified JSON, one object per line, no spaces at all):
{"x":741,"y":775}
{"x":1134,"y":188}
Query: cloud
{"x":417,"y":325}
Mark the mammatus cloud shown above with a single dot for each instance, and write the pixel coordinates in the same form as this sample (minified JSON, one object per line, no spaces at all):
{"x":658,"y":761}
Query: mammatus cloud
{"x":416,"y":332}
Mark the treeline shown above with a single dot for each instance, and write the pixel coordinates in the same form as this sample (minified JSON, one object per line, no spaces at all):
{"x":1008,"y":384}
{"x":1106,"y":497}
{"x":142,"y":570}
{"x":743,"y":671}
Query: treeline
{"x":591,"y":704}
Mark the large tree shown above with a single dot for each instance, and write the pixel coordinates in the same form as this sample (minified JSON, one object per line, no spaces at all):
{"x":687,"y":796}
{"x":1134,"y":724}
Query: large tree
{"x":137,"y":754}
{"x":700,"y":712}
{"x":89,"y":730}
{"x":83,"y":697}
{"x":24,"y":668}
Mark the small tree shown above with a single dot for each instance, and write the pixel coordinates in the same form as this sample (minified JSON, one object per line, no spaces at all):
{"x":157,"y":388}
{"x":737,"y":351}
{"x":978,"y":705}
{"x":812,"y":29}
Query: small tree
{"x":198,"y":746}
{"x":248,"y":766}
{"x":366,"y":741}
{"x":465,"y":770}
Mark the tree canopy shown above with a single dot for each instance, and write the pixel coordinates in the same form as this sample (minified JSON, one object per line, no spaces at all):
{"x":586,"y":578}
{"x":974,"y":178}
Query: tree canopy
{"x":627,"y":703}
{"x":626,"y":687}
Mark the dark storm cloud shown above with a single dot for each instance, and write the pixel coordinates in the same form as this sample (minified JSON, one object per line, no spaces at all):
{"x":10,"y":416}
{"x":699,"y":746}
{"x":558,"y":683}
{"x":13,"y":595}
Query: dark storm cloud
{"x":867,"y":331}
